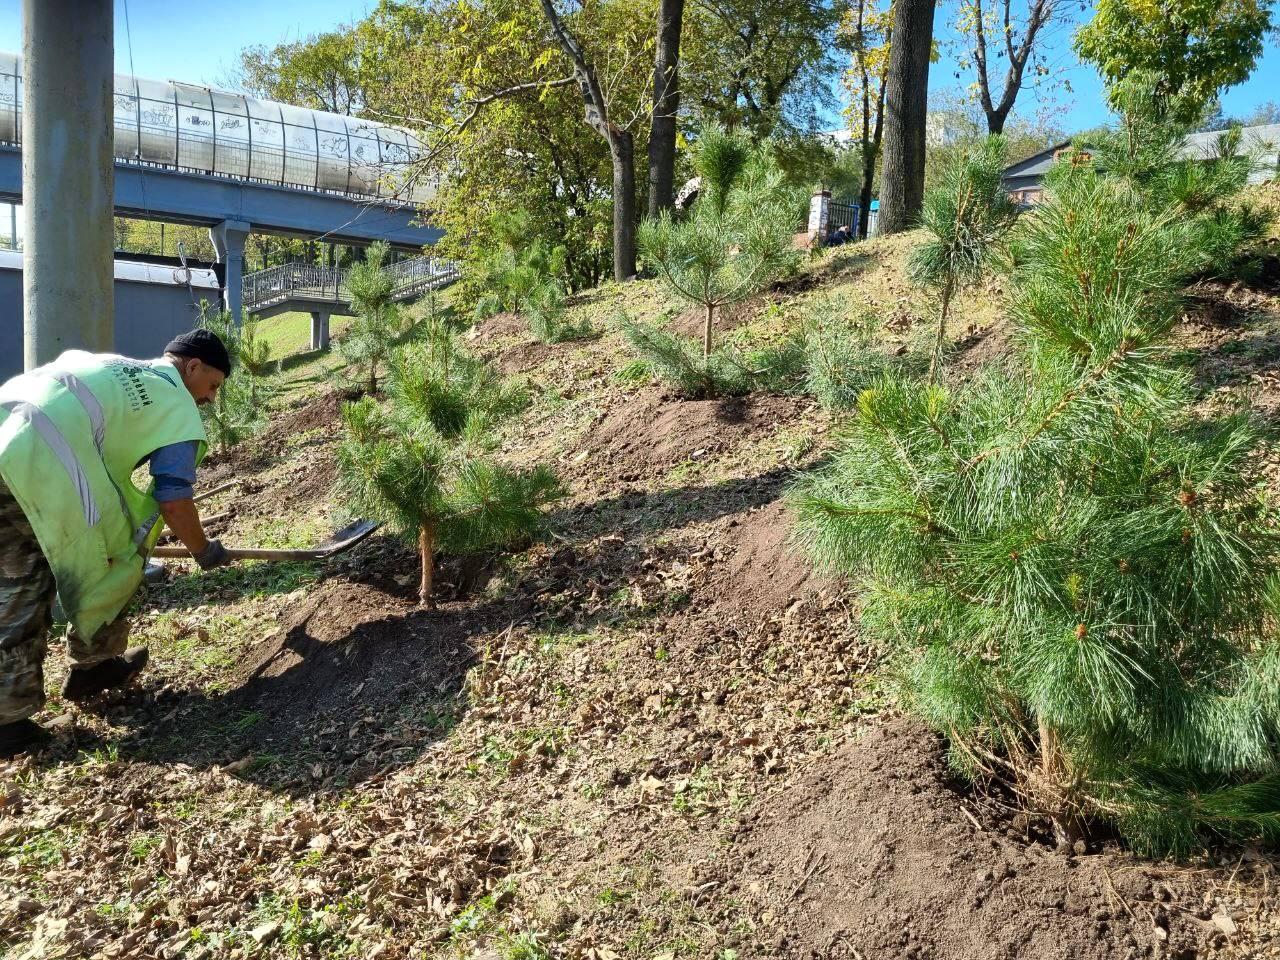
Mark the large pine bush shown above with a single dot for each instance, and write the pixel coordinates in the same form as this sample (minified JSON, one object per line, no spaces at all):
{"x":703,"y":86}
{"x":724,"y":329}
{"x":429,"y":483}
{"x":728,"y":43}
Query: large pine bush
{"x":1071,"y":566}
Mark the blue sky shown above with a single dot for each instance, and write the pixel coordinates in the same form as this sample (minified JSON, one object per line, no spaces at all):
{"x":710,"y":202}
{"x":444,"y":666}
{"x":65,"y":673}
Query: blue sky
{"x":199,"y":45}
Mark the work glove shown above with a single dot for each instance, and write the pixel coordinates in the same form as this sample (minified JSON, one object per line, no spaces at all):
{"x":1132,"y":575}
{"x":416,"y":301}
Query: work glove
{"x":213,"y":555}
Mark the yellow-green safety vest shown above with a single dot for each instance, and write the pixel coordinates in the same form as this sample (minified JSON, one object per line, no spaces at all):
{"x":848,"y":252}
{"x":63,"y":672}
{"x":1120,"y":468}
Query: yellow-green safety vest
{"x":71,"y":434}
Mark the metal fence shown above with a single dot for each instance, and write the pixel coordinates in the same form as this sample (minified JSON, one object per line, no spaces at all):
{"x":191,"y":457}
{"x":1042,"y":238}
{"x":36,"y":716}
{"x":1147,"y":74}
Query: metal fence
{"x":300,"y":281}
{"x":842,"y":214}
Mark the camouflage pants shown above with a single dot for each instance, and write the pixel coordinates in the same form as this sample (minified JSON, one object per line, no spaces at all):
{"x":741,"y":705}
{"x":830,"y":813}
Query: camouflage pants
{"x":27,"y":592}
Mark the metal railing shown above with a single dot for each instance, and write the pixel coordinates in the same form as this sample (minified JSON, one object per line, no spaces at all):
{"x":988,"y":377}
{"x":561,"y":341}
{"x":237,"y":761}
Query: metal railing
{"x":300,"y":281}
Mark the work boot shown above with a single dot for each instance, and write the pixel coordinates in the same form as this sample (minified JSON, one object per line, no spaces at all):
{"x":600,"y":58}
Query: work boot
{"x":22,"y":736}
{"x":84,"y":683}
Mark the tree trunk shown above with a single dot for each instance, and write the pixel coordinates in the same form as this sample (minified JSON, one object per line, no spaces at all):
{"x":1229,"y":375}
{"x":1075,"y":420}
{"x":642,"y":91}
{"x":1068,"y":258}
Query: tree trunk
{"x":935,"y":362}
{"x":864,"y":198}
{"x":997,"y":117}
{"x":666,"y":103}
{"x":621,"y":147}
{"x":427,"y":555}
{"x":906,"y":108}
{"x":1067,"y":826}
{"x":706,"y":331}
{"x":870,"y":153}
{"x":622,"y":150}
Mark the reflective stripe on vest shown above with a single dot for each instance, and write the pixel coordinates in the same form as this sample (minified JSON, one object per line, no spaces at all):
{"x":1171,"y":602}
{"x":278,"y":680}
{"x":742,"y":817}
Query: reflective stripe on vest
{"x":57,"y":443}
{"x":93,"y":410}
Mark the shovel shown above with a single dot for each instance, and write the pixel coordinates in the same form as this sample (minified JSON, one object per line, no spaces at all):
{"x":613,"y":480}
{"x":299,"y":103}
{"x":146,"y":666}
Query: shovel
{"x":218,"y":489}
{"x":344,"y":539}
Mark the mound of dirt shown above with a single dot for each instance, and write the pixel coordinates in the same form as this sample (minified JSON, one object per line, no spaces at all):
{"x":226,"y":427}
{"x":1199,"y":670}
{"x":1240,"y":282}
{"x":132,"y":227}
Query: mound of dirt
{"x":523,"y":357}
{"x":874,"y":855}
{"x":505,"y":324}
{"x":347,"y":647}
{"x":323,"y":411}
{"x":761,"y":573}
{"x":647,"y":434}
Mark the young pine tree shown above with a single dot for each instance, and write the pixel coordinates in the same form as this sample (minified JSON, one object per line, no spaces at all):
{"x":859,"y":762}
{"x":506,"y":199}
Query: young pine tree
{"x":255,"y":357}
{"x":738,"y":237}
{"x":1072,"y":569}
{"x":372,"y":336}
{"x":965,"y":215}
{"x":528,"y":277}
{"x":236,"y":413}
{"x":423,"y":463}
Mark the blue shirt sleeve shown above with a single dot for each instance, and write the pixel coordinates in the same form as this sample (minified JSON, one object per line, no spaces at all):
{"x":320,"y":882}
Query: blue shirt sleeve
{"x":174,"y":470}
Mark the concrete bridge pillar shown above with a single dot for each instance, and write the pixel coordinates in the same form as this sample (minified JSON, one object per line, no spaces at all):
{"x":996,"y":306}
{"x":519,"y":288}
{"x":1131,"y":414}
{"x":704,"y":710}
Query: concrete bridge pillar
{"x":319,"y":330}
{"x":228,"y":242}
{"x":67,"y":178}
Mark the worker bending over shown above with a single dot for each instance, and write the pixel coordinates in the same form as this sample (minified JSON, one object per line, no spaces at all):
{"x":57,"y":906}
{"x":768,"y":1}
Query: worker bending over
{"x":73,"y":526}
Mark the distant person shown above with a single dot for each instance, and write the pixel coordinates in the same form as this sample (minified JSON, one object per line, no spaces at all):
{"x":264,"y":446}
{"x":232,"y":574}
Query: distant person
{"x":72,"y":524}
{"x":841,"y":235}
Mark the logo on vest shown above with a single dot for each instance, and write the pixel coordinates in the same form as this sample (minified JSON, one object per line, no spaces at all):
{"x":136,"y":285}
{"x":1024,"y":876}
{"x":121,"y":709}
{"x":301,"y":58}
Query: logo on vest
{"x":129,"y":377}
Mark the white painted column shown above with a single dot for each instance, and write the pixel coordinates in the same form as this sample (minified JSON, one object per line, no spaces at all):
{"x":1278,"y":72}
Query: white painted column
{"x":819,"y":215}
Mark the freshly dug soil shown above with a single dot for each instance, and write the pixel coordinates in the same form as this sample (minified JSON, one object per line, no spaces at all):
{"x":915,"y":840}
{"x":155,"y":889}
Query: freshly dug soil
{"x":505,"y":324}
{"x":875,"y":855}
{"x":523,"y":357}
{"x":350,"y":648}
{"x":761,"y":573}
{"x":325,"y":411}
{"x":322,"y":413}
{"x":645,"y":435}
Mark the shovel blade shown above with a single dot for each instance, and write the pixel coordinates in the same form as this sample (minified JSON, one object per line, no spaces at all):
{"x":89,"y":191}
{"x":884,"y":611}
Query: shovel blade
{"x":348,"y":536}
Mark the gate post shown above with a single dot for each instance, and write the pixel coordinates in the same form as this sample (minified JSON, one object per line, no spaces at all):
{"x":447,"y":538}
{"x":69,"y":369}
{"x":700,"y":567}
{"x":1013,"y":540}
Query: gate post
{"x":819,"y":217}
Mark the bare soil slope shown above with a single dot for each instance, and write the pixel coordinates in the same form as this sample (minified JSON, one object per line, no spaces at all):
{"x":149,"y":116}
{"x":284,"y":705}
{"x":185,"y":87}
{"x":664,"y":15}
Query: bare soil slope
{"x":880,"y":854}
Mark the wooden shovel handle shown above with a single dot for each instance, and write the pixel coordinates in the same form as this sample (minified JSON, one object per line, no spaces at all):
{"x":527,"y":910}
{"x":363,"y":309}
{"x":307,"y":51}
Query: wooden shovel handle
{"x":246,"y":553}
{"x":218,"y":489}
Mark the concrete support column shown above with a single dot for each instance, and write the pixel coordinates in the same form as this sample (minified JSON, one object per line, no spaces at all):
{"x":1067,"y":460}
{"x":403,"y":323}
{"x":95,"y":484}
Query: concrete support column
{"x":319,"y":330}
{"x":67,"y":178}
{"x":819,"y":215}
{"x":228,"y":241}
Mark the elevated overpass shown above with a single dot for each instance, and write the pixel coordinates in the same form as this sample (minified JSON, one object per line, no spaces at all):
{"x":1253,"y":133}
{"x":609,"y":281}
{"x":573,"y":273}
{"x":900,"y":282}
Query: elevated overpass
{"x":324,"y":291}
{"x":195,"y":155}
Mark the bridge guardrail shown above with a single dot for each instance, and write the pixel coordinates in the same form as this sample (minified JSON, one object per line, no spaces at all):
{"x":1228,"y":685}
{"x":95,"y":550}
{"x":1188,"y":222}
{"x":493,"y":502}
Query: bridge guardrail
{"x":300,"y":281}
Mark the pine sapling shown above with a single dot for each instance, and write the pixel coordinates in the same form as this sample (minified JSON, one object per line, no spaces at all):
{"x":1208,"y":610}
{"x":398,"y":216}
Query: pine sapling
{"x":235,"y":413}
{"x":372,"y":336}
{"x":737,"y":238}
{"x":422,"y":460}
{"x":965,"y":216}
{"x":255,"y":358}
